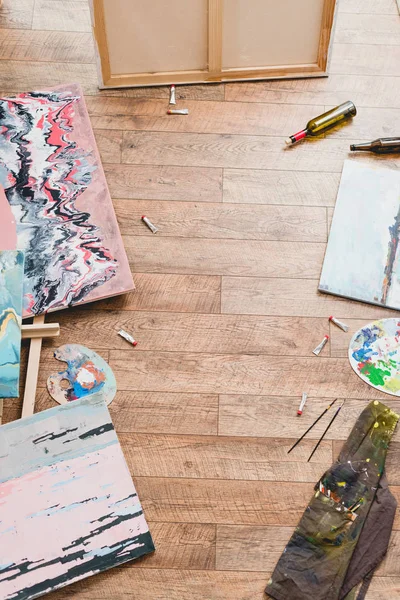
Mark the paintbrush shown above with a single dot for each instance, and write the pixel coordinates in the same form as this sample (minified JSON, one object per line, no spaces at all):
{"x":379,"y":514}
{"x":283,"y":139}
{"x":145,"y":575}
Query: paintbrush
{"x":325,"y":432}
{"x":311,"y":426}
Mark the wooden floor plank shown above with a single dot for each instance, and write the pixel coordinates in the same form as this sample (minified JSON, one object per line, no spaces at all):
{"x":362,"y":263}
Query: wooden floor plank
{"x":363,"y":59}
{"x":188,"y":332}
{"x":240,"y":374}
{"x":280,"y":187}
{"x":224,"y":221}
{"x":109,"y":144}
{"x":364,"y":90}
{"x":152,"y":182}
{"x":59,"y":15}
{"x":224,"y":257}
{"x":166,"y":292}
{"x":241,"y":151}
{"x":16,"y":15}
{"x":46,"y":46}
{"x":267,"y":296}
{"x":383,"y":7}
{"x":276,"y":417}
{"x":224,"y":458}
{"x":172,"y":584}
{"x":367,"y":29}
{"x":21,"y":76}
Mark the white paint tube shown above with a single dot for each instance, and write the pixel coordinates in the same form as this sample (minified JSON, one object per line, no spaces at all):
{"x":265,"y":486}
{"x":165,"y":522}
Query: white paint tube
{"x":149,"y":224}
{"x":178,"y":111}
{"x":320,"y":346}
{"x":172,"y":97}
{"x":302,"y":404}
{"x":127,"y":336}
{"x":339,"y":324}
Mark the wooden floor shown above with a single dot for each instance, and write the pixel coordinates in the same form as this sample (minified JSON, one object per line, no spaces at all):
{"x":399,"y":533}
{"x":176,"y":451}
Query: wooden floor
{"x":226,"y":309}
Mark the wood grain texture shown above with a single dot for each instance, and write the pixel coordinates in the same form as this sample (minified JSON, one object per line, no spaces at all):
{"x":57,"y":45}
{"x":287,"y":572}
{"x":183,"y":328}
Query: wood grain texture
{"x":363,"y":59}
{"x":241,"y":151}
{"x":224,"y":257}
{"x":241,"y":374}
{"x":21,"y":76}
{"x":60,"y":15}
{"x":155,"y":182}
{"x":276,"y":417}
{"x":46,"y":46}
{"x":280,"y":187}
{"x":188,"y":332}
{"x":168,"y":292}
{"x":109,"y":144}
{"x":224,"y":221}
{"x":16,"y":15}
{"x":386,"y":7}
{"x":378,"y":29}
{"x":364,"y":90}
{"x":224,"y":458}
{"x":267,"y":296}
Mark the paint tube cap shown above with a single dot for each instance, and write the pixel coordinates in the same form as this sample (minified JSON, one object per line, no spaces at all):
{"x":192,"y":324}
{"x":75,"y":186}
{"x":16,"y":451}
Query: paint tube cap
{"x":299,"y":412}
{"x":288,"y":141}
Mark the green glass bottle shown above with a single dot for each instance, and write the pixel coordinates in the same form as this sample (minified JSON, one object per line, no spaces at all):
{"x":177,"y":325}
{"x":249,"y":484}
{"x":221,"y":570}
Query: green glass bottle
{"x":323,"y":122}
{"x":379,"y":146}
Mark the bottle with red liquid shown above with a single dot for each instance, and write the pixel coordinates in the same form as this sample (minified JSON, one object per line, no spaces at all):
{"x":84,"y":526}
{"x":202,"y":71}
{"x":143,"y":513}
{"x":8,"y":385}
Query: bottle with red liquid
{"x":323,"y":122}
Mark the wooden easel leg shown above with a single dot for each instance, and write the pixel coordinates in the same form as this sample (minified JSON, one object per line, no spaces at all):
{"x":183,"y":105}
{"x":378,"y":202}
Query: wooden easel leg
{"x":32,"y":373}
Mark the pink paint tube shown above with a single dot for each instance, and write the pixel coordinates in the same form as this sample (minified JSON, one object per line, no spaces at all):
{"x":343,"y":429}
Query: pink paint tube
{"x":127,"y":336}
{"x":320,"y":346}
{"x":339,"y":324}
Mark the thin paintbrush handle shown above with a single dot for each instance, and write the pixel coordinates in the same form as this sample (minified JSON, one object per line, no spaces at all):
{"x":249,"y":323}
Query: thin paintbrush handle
{"x":311,"y":426}
{"x":323,"y":435}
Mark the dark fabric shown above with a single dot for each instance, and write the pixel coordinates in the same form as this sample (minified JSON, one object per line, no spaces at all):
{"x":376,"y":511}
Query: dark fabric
{"x":317,"y":562}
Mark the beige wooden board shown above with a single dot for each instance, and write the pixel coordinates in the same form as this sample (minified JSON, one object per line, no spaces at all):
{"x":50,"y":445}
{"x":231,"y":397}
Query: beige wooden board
{"x":247,"y":186}
{"x":169,"y":292}
{"x":241,"y":151}
{"x":269,"y":296}
{"x":225,"y":257}
{"x":148,"y":37}
{"x":109,"y":144}
{"x":16,"y":15}
{"x":188,"y":184}
{"x":22,"y":76}
{"x":363,"y":59}
{"x":177,"y":332}
{"x":265,"y":33}
{"x":276,"y":417}
{"x":241,"y":373}
{"x":364,"y":90}
{"x":368,"y":6}
{"x":46,"y":46}
{"x":61,"y":15}
{"x":367,"y":29}
{"x":152,"y":412}
{"x":205,"y":457}
{"x":224,"y":221}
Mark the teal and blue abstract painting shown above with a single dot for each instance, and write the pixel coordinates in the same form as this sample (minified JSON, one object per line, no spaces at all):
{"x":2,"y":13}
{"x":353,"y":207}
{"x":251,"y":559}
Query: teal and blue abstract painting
{"x":11,"y":279}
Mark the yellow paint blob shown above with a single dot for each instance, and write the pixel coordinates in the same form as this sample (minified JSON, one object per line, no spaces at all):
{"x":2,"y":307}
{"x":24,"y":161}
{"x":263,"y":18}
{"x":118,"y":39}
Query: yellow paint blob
{"x":376,"y":425}
{"x":367,"y":459}
{"x":341,"y":483}
{"x":376,"y":402}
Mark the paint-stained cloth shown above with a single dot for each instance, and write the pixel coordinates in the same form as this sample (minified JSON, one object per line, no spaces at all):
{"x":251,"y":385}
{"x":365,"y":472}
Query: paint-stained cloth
{"x":344,"y":532}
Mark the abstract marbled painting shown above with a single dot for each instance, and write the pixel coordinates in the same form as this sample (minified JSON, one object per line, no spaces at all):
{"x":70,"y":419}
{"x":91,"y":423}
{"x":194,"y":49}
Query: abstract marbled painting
{"x":362,"y":257}
{"x":53,"y":179}
{"x":69,"y":508}
{"x":11,"y":279}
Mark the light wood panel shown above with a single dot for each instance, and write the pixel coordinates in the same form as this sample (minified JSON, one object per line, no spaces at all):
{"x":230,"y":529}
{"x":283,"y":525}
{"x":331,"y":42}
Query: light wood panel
{"x":241,"y":151}
{"x":267,"y":296}
{"x":16,"y":15}
{"x":224,"y":221}
{"x":109,"y":144}
{"x":280,"y":187}
{"x":204,"y":457}
{"x":168,"y":292}
{"x":224,"y":257}
{"x":47,"y":46}
{"x":368,"y":6}
{"x":177,"y":332}
{"x":363,"y":59}
{"x":164,"y":183}
{"x":367,"y":29}
{"x":243,"y":374}
{"x":363,"y":90}
{"x":60,"y":15}
{"x":22,"y":76}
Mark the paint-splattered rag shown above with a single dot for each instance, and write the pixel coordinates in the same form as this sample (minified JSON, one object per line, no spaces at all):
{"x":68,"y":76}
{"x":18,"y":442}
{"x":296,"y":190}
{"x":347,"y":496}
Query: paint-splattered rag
{"x":344,"y":532}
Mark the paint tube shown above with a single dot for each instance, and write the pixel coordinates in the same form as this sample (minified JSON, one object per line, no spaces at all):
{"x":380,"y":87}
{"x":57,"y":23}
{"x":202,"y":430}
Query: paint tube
{"x":149,"y":224}
{"x":302,"y":404}
{"x":339,"y":324}
{"x":172,"y":98}
{"x":127,"y":336}
{"x":178,"y":111}
{"x":320,"y":346}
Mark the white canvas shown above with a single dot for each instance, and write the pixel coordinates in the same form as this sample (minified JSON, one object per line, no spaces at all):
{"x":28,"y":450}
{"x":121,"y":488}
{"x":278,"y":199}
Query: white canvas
{"x":362,"y":257}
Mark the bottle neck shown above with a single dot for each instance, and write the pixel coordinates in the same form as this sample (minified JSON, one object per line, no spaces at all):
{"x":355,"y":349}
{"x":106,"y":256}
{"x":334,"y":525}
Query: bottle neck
{"x":299,"y":136}
{"x":356,"y":147}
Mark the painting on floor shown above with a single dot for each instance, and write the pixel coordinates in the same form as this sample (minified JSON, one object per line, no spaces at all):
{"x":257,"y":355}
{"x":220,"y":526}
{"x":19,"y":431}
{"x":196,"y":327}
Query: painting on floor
{"x":53,"y":179}
{"x":69,"y":508}
{"x":362,"y":257}
{"x":11,"y":280}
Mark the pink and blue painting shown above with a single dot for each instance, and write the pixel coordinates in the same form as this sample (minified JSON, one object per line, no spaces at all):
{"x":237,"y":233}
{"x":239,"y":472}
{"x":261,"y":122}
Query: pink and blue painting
{"x":11,"y":280}
{"x":51,"y":171}
{"x":68,"y":506}
{"x":362,"y":260}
